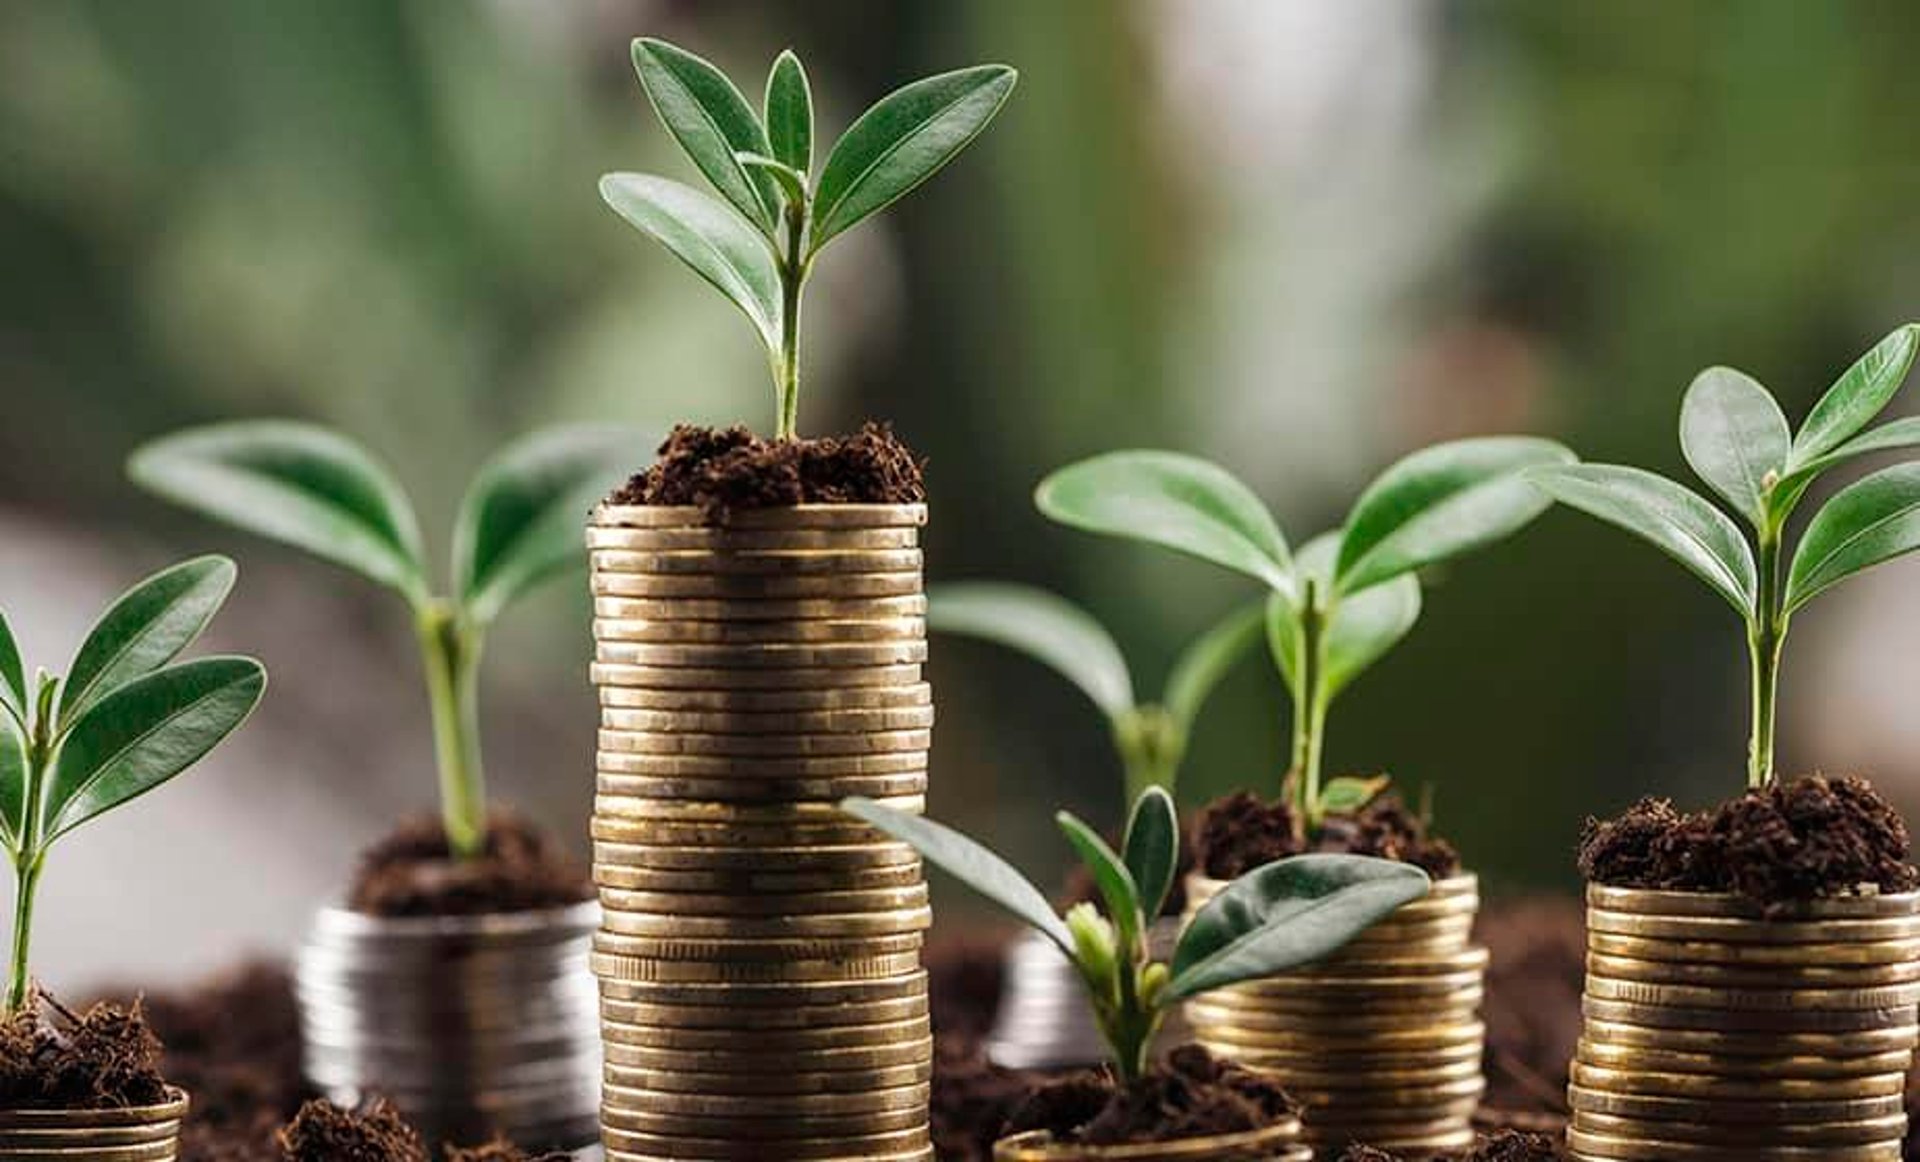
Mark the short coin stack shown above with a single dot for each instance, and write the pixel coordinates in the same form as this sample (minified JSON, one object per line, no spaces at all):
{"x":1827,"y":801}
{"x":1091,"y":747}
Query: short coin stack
{"x":762,"y":994}
{"x":140,"y":1134}
{"x":1716,"y":1033}
{"x":1381,"y":1043}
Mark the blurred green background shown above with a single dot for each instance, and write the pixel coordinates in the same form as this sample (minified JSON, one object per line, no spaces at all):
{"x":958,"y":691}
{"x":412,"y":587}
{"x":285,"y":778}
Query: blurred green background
{"x":1300,"y":237}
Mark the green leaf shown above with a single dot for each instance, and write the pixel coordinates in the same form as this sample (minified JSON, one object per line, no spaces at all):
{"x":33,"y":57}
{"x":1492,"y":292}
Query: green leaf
{"x":1364,"y":628}
{"x":146,"y":629}
{"x":792,"y":183}
{"x":1202,"y":665}
{"x":1887,"y":437}
{"x":708,"y":237}
{"x":1441,"y":502}
{"x":13,"y":677}
{"x":1110,"y":875}
{"x":1049,"y":629}
{"x":789,"y":106}
{"x":1870,"y":521}
{"x":902,"y":141}
{"x":146,"y":732}
{"x":13,"y":784}
{"x":1735,"y":438}
{"x":1679,"y":522}
{"x":970,"y":863}
{"x":1287,"y":914}
{"x":1151,"y":849}
{"x":1856,"y":397}
{"x":1176,"y":501}
{"x":297,"y":483}
{"x":1350,"y":794}
{"x":520,"y":521}
{"x":712,"y":122}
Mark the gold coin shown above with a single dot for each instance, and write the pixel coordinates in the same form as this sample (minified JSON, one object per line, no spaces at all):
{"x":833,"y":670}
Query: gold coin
{"x":717,"y":540}
{"x":1734,"y":1133}
{"x":848,"y":925}
{"x":614,"y":1154}
{"x":845,"y":1081}
{"x":914,"y":694}
{"x":1605,"y":1148}
{"x":723,"y":1016}
{"x":629,"y":812}
{"x":754,"y":1107}
{"x":1735,"y":931}
{"x":1303,"y":1062}
{"x":796,"y":858}
{"x":1696,"y":1086}
{"x":757,"y":587}
{"x":735,"y":1148}
{"x":638,"y":1113}
{"x":750,"y":1061}
{"x":778,"y":789}
{"x":654,"y":880}
{"x":775,"y":994}
{"x":1390,"y":934}
{"x":1761,"y":1044}
{"x":766,"y":745}
{"x":1612,"y":1056}
{"x":795,"y":950}
{"x":616,"y":963}
{"x":710,"y":767}
{"x":762,"y":656}
{"x":1751,"y":1000}
{"x":1328,"y":1078}
{"x":798,"y":904}
{"x":1423,"y":1143}
{"x":1465,"y":960}
{"x":795,"y":611}
{"x":1730,"y":976}
{"x":1364,"y":990}
{"x":794,"y":516}
{"x":1276,"y":1033}
{"x":1452,"y":1097}
{"x":1877,"y":952}
{"x":1259,"y":995}
{"x":790,"y":722}
{"x":1215,"y":1015}
{"x":733,"y":562}
{"x":1672,"y":1109}
{"x":1744,"y":1020}
{"x":1654,"y":903}
{"x":812,"y":679}
{"x":611,"y":820}
{"x":741,"y":634}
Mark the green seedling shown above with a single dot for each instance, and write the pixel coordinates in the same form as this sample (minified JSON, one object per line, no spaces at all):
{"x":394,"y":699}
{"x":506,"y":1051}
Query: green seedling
{"x":1737,"y":440}
{"x":126,"y":719}
{"x":1349,"y":595}
{"x":1278,"y":917}
{"x":757,"y":244}
{"x":317,"y":490}
{"x":1151,"y":737}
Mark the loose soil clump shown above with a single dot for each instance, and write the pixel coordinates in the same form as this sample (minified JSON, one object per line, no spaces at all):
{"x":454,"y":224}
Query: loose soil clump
{"x":413,"y":872}
{"x":105,"y":1058}
{"x":1506,"y":1146}
{"x":324,"y":1132}
{"x":1807,"y":839}
{"x":501,"y":1151}
{"x":1241,"y":832}
{"x":1191,"y":1094}
{"x":720,"y":471}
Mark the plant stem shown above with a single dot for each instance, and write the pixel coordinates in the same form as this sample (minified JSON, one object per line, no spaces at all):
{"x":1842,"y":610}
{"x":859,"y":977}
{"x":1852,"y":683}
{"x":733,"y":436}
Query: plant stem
{"x":786,"y":372}
{"x":450,"y":652}
{"x":1766,"y":634}
{"x":1309,"y":708}
{"x":26,"y":874}
{"x":1151,"y":744}
{"x":31,"y":856}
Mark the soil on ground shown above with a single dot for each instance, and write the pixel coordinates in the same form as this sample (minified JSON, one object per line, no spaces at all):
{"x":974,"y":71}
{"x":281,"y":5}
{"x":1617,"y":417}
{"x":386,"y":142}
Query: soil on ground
{"x":723,"y":470}
{"x":413,"y":872}
{"x":1241,"y":832}
{"x":1532,"y":1011}
{"x":1502,"y":1146}
{"x":501,"y":1151}
{"x":1806,"y":839}
{"x":324,"y":1132}
{"x":1190,"y":1094}
{"x":104,"y":1058}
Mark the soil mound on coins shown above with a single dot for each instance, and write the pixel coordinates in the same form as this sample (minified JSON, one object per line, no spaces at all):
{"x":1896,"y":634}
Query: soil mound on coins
{"x":1189,"y":1095}
{"x":105,"y":1058}
{"x":413,"y":872}
{"x":323,"y":1132}
{"x":1241,"y":832}
{"x":1505,"y":1146}
{"x":723,"y":470}
{"x":1806,"y":839}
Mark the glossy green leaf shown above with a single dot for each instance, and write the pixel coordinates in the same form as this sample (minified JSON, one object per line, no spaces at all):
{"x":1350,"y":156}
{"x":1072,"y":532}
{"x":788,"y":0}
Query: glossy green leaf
{"x":13,"y":784}
{"x":1049,"y":629}
{"x":297,"y":483}
{"x":711,"y":239}
{"x":1888,"y":437}
{"x":1202,"y":665}
{"x":1350,"y":794}
{"x":1735,"y":438}
{"x":1173,"y":500}
{"x":792,"y":183}
{"x":1151,"y":849}
{"x":1441,"y":502}
{"x":1285,"y":915}
{"x":1870,"y":521}
{"x":968,"y":862}
{"x":1365,"y":626}
{"x":520,"y":521}
{"x":902,"y":141}
{"x":1679,"y":522}
{"x":1110,"y":876}
{"x":13,"y":677}
{"x":1856,"y":397}
{"x":145,"y":629}
{"x":712,"y":122}
{"x":789,"y":111}
{"x":146,"y":732}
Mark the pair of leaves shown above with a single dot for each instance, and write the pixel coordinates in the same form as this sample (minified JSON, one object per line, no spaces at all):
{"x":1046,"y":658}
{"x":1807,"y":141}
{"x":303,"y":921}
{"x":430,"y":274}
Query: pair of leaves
{"x":1362,"y":630}
{"x":1133,"y":883}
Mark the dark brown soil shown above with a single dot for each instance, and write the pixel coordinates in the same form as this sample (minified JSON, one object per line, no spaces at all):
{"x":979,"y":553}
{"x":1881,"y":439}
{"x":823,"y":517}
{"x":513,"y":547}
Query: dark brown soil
{"x":323,"y":1132}
{"x":413,"y":873}
{"x":501,"y":1151}
{"x":1806,"y":839}
{"x":105,"y":1058}
{"x":1504,"y":1146}
{"x":720,"y":471}
{"x":1240,"y":832}
{"x":1532,"y":1010}
{"x":1191,"y":1094}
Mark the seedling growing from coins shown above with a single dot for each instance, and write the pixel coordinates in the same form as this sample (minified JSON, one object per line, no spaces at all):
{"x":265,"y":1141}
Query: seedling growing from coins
{"x":318,"y":490}
{"x":758,"y":242}
{"x":126,"y":719}
{"x":1737,"y":440}
{"x":1281,"y":916}
{"x":1151,"y":737}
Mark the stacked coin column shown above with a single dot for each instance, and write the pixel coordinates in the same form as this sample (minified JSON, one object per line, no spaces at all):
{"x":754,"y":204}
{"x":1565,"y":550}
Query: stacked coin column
{"x":762,"y":994}
{"x":1715,"y":1032}
{"x":1380,"y":1043}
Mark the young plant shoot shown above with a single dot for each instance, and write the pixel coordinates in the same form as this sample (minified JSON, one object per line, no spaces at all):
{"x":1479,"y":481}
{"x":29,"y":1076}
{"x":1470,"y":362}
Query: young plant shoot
{"x":317,"y":490}
{"x":1151,"y":738}
{"x":757,"y":243}
{"x":1348,"y":596}
{"x":126,"y":719}
{"x":1279,"y":917}
{"x":1737,"y":440}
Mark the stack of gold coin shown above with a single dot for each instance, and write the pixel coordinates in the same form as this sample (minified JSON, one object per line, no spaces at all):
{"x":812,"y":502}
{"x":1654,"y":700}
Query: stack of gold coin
{"x":1380,"y":1043}
{"x":762,"y":994}
{"x":1719,"y":1032}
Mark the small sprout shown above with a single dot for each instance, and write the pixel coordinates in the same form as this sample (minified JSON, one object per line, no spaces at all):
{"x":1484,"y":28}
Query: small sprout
{"x":758,"y":243}
{"x":317,"y":490}
{"x":1737,"y":440}
{"x":1151,"y":738}
{"x":126,"y":719}
{"x":1282,"y":916}
{"x":1348,"y":596}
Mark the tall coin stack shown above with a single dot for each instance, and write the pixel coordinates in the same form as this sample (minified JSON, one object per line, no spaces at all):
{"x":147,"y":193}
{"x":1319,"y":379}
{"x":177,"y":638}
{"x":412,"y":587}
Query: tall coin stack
{"x":762,"y":994}
{"x":1716,"y":1032}
{"x":1380,"y":1043}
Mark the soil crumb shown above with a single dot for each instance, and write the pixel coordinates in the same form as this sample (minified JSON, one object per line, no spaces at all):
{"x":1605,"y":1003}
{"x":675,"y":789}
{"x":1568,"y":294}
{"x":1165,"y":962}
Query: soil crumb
{"x":1806,"y":839}
{"x":412,"y":872}
{"x":324,"y":1132}
{"x":723,"y":470}
{"x":972,"y":1099}
{"x":105,"y":1058}
{"x":1191,"y":1094}
{"x":1240,"y":833}
{"x":500,"y":1150}
{"x":1505,"y":1146}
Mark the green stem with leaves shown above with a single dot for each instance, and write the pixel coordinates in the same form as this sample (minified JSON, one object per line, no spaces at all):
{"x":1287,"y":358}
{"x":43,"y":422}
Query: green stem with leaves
{"x":450,"y":652}
{"x":793,"y":276}
{"x":1766,"y":634}
{"x":1309,"y":706}
{"x":31,"y":856}
{"x":1151,"y":744}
